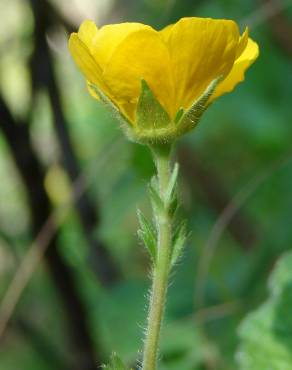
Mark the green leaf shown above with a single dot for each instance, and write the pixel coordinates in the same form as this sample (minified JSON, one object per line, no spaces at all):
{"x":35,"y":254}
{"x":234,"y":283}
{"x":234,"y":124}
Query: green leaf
{"x":115,"y":364}
{"x":192,"y":116}
{"x":157,"y":202}
{"x":266,"y":333}
{"x":171,"y":188}
{"x":148,"y":235}
{"x":150,"y":113}
{"x":179,"y":240}
{"x":173,"y":207}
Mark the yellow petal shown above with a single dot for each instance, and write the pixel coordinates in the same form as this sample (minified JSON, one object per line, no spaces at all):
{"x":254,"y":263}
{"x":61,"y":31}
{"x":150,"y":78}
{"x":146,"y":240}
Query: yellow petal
{"x":242,"y":43}
{"x":165,"y":32}
{"x":86,"y":33}
{"x":141,"y":55}
{"x":86,"y":62}
{"x":236,"y":75}
{"x":88,"y":65}
{"x":201,"y":50}
{"x":109,"y":37}
{"x":84,"y":59}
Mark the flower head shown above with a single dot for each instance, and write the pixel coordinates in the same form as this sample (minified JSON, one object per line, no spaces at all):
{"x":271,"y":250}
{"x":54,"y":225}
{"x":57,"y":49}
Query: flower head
{"x":160,"y":82}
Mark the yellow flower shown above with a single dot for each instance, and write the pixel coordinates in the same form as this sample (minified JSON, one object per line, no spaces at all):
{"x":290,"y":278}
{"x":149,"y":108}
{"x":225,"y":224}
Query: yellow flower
{"x":160,"y":82}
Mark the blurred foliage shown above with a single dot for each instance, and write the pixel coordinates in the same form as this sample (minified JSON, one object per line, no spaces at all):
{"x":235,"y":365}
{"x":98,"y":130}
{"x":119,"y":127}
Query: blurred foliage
{"x":266,"y":333}
{"x":242,"y":135}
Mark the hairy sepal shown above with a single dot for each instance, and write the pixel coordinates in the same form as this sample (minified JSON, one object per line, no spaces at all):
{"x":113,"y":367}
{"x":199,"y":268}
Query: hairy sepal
{"x":150,"y":114}
{"x":112,"y":108}
{"x":190,"y":118}
{"x":153,"y":124}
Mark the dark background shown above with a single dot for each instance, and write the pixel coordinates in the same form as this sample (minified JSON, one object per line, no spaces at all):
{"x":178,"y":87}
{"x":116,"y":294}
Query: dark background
{"x":70,"y":184}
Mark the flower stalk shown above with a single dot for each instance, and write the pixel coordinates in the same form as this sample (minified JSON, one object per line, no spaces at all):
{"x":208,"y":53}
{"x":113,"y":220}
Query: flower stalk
{"x":161,"y":266}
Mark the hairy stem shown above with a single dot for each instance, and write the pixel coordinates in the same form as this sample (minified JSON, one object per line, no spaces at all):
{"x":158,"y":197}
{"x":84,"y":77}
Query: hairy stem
{"x":161,"y":268}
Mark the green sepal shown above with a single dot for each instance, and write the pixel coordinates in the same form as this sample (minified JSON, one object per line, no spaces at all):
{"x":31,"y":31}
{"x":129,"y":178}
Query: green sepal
{"x":112,"y":108}
{"x":154,"y":125}
{"x":179,"y":239}
{"x":191,"y":117}
{"x":178,"y":115}
{"x":150,"y":114}
{"x":115,"y":364}
{"x":148,"y":235}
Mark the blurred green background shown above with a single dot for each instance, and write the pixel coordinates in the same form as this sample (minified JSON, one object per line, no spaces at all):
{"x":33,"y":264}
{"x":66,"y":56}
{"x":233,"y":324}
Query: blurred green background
{"x":87,"y":297}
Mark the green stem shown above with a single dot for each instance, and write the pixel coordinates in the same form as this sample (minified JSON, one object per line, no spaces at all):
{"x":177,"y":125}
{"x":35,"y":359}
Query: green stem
{"x":161,"y":268}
